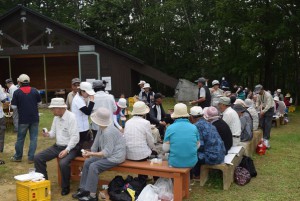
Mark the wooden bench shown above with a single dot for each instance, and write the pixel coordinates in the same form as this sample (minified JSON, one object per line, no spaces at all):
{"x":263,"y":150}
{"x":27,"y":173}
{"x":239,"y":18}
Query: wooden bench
{"x":250,"y":146}
{"x":227,"y":170}
{"x":181,"y":176}
{"x":276,"y":121}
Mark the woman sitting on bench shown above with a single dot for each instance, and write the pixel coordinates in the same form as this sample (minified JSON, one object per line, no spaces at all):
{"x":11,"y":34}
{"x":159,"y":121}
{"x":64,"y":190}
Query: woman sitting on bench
{"x":108,"y":150}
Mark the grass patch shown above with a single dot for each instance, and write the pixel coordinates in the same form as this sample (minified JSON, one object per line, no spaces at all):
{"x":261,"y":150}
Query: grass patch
{"x":278,"y":171}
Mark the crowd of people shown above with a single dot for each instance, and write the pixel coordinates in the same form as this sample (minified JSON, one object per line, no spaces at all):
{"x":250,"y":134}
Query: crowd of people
{"x":218,"y":119}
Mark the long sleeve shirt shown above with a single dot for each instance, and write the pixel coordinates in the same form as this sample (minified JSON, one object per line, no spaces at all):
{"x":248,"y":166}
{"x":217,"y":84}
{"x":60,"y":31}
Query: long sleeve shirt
{"x":65,"y":130}
{"x":265,"y":102}
{"x":111,"y":143}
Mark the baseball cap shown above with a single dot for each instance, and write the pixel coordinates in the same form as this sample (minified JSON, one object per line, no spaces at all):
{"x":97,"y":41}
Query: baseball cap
{"x":75,"y":80}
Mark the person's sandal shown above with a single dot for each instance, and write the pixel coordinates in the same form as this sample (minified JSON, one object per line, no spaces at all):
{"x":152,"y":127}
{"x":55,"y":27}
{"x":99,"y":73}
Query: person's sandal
{"x":2,"y":162}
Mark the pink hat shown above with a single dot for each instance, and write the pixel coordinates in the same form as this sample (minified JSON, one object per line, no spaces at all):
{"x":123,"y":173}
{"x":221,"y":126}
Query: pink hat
{"x":211,"y":113}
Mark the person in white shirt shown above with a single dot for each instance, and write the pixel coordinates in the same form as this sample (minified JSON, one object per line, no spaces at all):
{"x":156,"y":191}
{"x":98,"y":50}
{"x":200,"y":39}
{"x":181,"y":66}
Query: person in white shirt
{"x":141,"y":85}
{"x":231,"y":118}
{"x":102,"y":99}
{"x":11,"y":89}
{"x":64,"y":129}
{"x":81,"y":111}
{"x":2,"y":122}
{"x":138,"y":136}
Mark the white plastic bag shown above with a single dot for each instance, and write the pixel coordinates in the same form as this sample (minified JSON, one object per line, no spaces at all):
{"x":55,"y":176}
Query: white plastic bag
{"x":165,"y":187}
{"x":149,"y":193}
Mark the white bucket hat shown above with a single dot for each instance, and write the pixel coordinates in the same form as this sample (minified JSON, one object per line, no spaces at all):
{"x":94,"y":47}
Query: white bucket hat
{"x":141,"y":82}
{"x":101,"y":117}
{"x":57,"y":102}
{"x":140,"y":108}
{"x":122,"y":103}
{"x":276,"y":98}
{"x":180,"y":110}
{"x":24,"y":78}
{"x":211,"y":113}
{"x":87,"y":87}
{"x":215,"y":82}
{"x":279,"y":90}
{"x":196,"y":111}
{"x":146,"y":85}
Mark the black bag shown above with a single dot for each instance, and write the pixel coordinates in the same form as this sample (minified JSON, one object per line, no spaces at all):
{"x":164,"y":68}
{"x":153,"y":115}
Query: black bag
{"x":241,"y":176}
{"x":248,"y":164}
{"x":117,"y":188}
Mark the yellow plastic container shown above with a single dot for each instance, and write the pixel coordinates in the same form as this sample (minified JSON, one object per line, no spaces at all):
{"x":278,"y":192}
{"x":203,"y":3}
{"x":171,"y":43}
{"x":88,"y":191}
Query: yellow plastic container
{"x":131,"y":101}
{"x":33,"y":191}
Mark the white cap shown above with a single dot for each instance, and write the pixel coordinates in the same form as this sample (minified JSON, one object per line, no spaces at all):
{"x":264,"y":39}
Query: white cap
{"x":87,"y":87}
{"x":146,"y":85}
{"x":196,"y":111}
{"x":215,"y":82}
{"x":122,"y":103}
{"x":24,"y":78}
{"x":279,"y":90}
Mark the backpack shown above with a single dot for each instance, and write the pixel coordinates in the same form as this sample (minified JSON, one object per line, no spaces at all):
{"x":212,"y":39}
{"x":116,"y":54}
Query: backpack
{"x":248,"y":164}
{"x":241,"y":176}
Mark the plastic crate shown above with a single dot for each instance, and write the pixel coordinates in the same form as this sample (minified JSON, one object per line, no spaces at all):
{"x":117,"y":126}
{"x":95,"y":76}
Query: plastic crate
{"x":33,"y":191}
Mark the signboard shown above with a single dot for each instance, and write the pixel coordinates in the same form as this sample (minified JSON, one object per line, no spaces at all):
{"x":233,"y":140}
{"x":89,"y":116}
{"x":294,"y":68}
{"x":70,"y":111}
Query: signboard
{"x":108,"y":85}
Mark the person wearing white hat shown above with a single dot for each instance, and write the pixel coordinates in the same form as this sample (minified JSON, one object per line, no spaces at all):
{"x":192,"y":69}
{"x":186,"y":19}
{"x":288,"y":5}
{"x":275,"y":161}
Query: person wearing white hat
{"x":81,"y":111}
{"x":279,"y":94}
{"x":26,"y":99}
{"x":279,"y":107}
{"x":141,"y":85}
{"x":138,"y":135}
{"x":64,"y":130}
{"x":212,"y":150}
{"x":148,"y":94}
{"x":181,"y":139}
{"x":265,"y":103}
{"x":3,"y":97}
{"x":118,"y":114}
{"x":102,"y":99}
{"x":211,"y":114}
{"x":108,"y":150}
{"x":215,"y":93}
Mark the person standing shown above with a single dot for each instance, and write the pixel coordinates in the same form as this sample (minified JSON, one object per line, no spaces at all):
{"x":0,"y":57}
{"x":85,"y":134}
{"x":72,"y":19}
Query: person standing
{"x":75,"y":87}
{"x":64,"y":129}
{"x":265,"y":103}
{"x":26,"y":99}
{"x":2,"y":122}
{"x":141,"y":85}
{"x":11,"y":89}
{"x":81,"y":111}
{"x":148,"y":94}
{"x":204,"y":97}
{"x":215,"y":93}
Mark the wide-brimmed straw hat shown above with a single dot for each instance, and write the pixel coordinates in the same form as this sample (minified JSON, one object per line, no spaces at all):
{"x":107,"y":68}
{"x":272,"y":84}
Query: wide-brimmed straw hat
{"x":180,"y":110}
{"x":57,"y":102}
{"x":101,"y":117}
{"x":122,"y":103}
{"x":140,"y":108}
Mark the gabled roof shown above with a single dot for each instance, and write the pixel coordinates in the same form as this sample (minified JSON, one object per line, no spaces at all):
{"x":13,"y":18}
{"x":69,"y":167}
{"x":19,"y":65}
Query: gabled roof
{"x":20,"y":7}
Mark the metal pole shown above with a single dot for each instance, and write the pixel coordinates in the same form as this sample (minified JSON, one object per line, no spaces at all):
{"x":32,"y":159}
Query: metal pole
{"x":45,"y":78}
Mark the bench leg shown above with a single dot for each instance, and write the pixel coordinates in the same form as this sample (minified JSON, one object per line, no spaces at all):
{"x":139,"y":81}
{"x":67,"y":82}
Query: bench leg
{"x":227,"y":177}
{"x":178,"y":187}
{"x":203,"y":175}
{"x":186,"y":185}
{"x":58,"y":173}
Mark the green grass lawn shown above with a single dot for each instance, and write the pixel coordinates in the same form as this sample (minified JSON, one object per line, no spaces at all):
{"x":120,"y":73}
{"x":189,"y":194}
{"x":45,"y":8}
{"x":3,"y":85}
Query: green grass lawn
{"x":278,"y":171}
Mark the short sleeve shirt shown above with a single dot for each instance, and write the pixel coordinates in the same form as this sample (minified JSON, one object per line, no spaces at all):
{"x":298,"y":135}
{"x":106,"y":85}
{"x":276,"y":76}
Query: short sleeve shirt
{"x":82,"y":119}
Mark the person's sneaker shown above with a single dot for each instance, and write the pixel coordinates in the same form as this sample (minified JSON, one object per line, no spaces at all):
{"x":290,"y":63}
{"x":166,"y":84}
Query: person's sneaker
{"x":80,"y":193}
{"x":88,"y":198}
{"x":267,"y":143}
{"x":13,"y":159}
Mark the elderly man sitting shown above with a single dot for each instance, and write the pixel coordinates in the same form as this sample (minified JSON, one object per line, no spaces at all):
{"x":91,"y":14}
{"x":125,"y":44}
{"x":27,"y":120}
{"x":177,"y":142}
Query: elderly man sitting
{"x":108,"y":150}
{"x":64,"y":129}
{"x":246,"y":124}
{"x":212,"y":149}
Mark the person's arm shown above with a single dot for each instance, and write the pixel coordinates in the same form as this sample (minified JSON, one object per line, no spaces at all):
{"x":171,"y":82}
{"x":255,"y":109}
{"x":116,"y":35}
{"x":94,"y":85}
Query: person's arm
{"x":116,"y":123}
{"x":149,"y":137}
{"x":202,"y":96}
{"x":152,"y":116}
{"x":87,"y":110}
{"x":74,"y":134}
{"x":269,"y":102}
{"x":166,"y":147}
{"x":52,"y":132}
{"x":95,"y":146}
